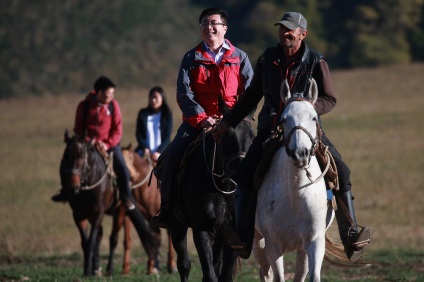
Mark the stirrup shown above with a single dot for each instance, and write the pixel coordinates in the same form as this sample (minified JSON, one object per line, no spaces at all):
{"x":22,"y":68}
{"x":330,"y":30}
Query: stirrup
{"x":158,"y":221}
{"x":241,"y":248}
{"x":364,"y":238}
{"x":355,"y":249}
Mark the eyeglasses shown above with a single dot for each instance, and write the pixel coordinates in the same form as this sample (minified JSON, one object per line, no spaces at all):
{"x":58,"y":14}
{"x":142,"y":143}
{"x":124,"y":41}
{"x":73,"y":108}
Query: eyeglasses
{"x":213,"y":24}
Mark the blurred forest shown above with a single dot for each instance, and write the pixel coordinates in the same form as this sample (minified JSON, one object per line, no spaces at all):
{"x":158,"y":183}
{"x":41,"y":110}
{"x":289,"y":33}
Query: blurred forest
{"x":56,"y":47}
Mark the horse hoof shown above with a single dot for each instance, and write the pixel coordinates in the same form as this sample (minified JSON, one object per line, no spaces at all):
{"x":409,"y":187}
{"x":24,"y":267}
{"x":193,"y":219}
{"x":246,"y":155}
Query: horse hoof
{"x":98,"y":272}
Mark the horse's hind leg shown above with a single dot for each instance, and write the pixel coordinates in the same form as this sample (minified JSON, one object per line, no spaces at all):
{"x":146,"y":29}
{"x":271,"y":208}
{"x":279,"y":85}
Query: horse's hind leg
{"x":126,"y":262}
{"x":179,"y":240}
{"x":118,"y":221}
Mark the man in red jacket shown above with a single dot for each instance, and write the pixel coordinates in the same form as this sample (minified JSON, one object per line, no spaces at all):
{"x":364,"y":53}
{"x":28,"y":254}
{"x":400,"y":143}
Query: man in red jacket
{"x":212,"y":69}
{"x":98,"y":118}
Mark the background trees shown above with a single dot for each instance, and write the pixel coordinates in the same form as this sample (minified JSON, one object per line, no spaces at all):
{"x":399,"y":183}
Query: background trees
{"x":55,"y":46}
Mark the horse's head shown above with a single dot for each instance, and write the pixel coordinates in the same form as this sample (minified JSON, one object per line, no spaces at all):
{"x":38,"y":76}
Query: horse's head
{"x":75,"y":163}
{"x":300,"y":125}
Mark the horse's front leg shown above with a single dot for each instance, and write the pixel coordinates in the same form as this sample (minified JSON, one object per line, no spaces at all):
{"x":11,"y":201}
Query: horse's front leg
{"x":172,"y":266}
{"x":302,"y":266}
{"x":82,"y":226}
{"x":258,"y":249}
{"x":204,"y":245}
{"x":224,"y":258}
{"x":315,"y":251}
{"x":179,"y":240}
{"x":90,"y":258}
{"x":97,"y":270}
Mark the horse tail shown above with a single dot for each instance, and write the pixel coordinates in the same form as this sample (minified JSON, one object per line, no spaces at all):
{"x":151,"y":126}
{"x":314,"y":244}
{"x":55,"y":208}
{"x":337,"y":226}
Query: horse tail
{"x":148,"y":241}
{"x":335,"y":254}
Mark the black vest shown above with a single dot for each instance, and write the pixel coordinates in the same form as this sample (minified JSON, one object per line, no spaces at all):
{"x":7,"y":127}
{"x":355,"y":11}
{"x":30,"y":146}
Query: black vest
{"x":273,"y":72}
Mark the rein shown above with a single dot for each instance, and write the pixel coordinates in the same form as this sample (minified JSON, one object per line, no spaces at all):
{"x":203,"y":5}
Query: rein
{"x":224,"y":164}
{"x":107,"y":170}
{"x":146,"y":178}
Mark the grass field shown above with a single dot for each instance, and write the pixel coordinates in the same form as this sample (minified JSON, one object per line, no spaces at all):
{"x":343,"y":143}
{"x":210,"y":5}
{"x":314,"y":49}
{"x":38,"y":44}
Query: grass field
{"x":377,"y":126}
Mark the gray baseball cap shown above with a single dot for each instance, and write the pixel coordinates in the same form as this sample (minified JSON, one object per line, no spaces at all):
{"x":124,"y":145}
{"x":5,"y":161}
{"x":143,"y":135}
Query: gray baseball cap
{"x":293,"y":20}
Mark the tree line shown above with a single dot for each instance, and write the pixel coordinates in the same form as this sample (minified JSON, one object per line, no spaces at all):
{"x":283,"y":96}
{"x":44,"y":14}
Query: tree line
{"x":62,"y":46}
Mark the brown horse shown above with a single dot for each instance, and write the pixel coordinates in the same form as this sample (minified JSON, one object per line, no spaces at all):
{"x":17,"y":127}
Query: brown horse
{"x":148,"y":202}
{"x":86,"y":178}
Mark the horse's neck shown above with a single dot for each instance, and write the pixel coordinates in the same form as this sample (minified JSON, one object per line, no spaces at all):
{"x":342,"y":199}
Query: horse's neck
{"x":295,"y":177}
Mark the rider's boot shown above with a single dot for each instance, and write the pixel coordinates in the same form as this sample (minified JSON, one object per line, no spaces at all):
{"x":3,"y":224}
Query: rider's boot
{"x":60,"y":197}
{"x":165,"y":217}
{"x":353,"y":239}
{"x":241,"y":237}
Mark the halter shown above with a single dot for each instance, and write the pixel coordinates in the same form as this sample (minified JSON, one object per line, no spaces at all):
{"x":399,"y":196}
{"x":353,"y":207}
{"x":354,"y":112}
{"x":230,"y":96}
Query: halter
{"x":315,"y":141}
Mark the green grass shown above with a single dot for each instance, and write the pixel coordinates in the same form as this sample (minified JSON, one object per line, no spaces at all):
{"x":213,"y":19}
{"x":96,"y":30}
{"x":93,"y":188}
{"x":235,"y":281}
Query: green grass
{"x":377,"y":127}
{"x":394,"y":265}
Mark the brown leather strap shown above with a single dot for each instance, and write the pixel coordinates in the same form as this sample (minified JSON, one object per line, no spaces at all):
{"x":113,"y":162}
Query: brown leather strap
{"x":345,"y":210}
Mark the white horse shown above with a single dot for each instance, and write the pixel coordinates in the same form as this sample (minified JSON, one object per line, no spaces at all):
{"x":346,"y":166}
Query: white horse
{"x":292,"y":211}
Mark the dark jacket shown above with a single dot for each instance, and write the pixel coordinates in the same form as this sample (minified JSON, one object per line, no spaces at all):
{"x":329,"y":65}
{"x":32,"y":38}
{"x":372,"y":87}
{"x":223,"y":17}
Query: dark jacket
{"x":141,"y":130}
{"x":270,"y":71}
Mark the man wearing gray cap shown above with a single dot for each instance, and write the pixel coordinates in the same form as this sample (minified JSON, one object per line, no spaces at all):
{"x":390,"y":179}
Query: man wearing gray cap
{"x":293,"y":60}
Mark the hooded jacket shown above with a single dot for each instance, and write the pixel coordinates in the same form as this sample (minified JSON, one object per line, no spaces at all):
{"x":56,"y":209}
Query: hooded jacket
{"x":98,"y":122}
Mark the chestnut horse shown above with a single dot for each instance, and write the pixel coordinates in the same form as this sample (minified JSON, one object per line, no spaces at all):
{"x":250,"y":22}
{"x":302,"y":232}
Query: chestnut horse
{"x":86,"y":177}
{"x":147,"y":200}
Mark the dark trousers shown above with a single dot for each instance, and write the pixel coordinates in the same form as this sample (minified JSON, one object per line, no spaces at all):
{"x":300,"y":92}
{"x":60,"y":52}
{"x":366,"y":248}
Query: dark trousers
{"x":121,"y":171}
{"x":175,"y":151}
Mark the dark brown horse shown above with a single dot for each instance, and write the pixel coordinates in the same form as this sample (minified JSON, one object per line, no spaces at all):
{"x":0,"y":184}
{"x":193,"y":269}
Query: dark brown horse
{"x":148,"y":201}
{"x":86,"y":178}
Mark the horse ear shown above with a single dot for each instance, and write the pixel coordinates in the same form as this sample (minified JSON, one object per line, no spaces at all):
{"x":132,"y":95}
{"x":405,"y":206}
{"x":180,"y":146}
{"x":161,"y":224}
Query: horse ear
{"x":285,"y":91}
{"x":66,"y":135}
{"x":128,"y":147}
{"x":222,"y":106}
{"x":313,"y":91}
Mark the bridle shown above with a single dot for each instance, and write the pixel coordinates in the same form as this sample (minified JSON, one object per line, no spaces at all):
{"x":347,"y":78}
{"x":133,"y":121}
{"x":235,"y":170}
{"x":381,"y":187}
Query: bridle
{"x":85,"y":171}
{"x":315,"y":141}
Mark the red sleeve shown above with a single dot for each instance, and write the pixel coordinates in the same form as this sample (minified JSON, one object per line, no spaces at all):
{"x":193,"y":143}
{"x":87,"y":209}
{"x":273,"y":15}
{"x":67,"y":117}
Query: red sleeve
{"x":115,"y":133}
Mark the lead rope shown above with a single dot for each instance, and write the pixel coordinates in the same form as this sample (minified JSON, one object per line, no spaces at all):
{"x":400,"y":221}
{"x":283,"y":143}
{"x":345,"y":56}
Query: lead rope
{"x":308,"y":174}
